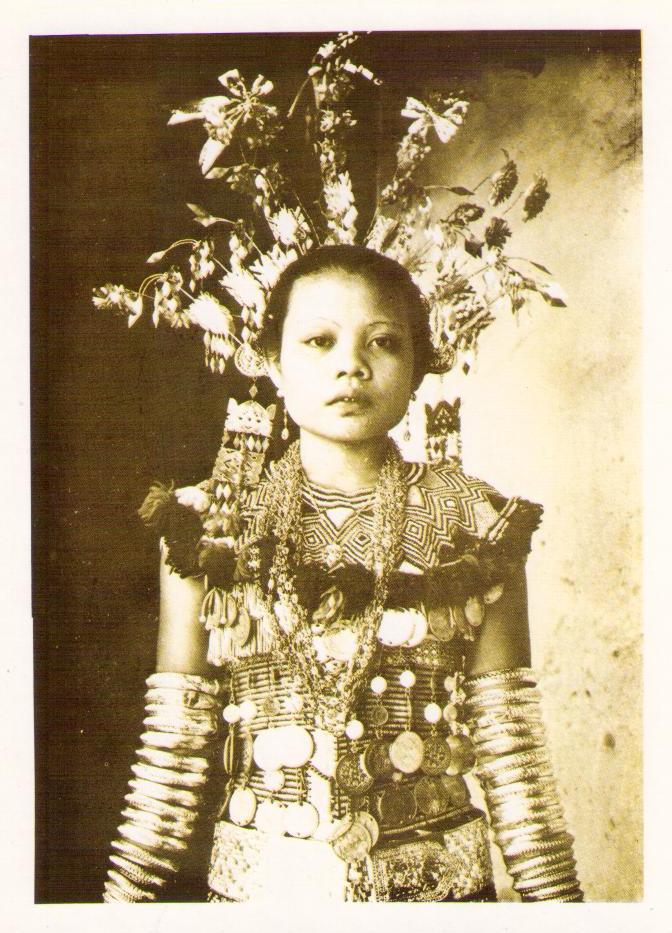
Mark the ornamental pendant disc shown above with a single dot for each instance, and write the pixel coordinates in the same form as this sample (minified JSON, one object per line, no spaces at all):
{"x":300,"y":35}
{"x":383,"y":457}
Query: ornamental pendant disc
{"x":436,"y":756}
{"x":379,"y":716}
{"x":354,"y":844}
{"x":301,"y":820}
{"x":350,"y":777}
{"x":406,"y":752}
{"x":431,"y":796}
{"x":242,"y":806}
{"x":456,"y":789}
{"x":397,"y":806}
{"x":371,"y":824}
{"x":376,"y":759}
{"x":462,"y":754}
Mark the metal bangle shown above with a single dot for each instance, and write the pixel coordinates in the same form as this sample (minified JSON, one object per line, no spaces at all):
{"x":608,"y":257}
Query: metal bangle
{"x":495,"y":730}
{"x":536,"y":756}
{"x":114,"y":895}
{"x":148,"y":838}
{"x":525,"y":674}
{"x":510,"y":776}
{"x":135,"y":873}
{"x":178,"y":795}
{"x":550,"y":893}
{"x":520,"y":866}
{"x":185,"y":682}
{"x":166,"y":776}
{"x":520,"y":846}
{"x":130,"y":889}
{"x":533,"y":831}
{"x":533,"y":875}
{"x":143,"y":857}
{"x":502,"y":696}
{"x":187,"y":699}
{"x":157,"y":824}
{"x":508,"y":745}
{"x":167,"y":811}
{"x":185,"y":727}
{"x":526,"y":806}
{"x":163,"y":759}
{"x":175,"y":741}
{"x":519,"y":789}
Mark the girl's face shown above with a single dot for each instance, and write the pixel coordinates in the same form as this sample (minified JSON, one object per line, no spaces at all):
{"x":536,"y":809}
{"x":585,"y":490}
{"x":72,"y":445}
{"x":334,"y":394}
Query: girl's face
{"x":346,"y":359}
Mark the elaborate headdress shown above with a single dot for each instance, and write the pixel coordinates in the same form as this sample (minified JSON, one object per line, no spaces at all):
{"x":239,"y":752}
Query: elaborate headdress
{"x":452,"y":240}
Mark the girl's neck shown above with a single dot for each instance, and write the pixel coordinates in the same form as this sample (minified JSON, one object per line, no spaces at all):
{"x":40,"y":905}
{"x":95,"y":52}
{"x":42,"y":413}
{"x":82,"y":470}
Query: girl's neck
{"x":344,"y":467}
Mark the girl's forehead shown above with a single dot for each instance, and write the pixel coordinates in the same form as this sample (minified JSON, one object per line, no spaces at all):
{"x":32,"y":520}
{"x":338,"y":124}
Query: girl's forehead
{"x":337,"y":294}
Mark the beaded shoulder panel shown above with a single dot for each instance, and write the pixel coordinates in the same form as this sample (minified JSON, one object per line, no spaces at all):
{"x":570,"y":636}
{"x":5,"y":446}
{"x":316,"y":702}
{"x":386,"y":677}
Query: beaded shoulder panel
{"x":445,"y":510}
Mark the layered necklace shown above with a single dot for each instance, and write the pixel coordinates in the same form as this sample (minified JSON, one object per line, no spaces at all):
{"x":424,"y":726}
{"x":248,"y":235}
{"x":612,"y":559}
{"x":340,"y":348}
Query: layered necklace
{"x":330,"y":686}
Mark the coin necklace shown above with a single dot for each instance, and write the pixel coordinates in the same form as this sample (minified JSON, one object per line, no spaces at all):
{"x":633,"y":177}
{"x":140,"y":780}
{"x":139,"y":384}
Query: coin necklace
{"x":329,"y":690}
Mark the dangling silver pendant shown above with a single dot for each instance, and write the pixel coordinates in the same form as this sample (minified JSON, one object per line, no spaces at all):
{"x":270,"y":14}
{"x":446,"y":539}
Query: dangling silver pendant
{"x":333,"y":554}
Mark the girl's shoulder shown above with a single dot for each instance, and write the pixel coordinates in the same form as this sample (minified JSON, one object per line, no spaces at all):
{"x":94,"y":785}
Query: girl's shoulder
{"x":457,"y":507}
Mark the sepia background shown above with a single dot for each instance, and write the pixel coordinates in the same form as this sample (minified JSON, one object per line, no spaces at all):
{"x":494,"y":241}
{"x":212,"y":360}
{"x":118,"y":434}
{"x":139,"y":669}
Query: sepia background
{"x":551,"y":410}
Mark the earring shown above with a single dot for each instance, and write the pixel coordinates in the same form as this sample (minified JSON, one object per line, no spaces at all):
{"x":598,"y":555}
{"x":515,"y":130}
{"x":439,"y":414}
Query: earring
{"x":407,"y":420}
{"x":284,"y":434}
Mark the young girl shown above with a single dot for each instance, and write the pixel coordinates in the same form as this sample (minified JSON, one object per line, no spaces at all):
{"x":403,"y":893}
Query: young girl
{"x":361,"y":629}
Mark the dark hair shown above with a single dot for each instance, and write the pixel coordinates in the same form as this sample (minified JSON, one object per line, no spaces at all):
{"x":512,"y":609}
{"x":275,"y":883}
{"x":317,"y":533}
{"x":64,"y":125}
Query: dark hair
{"x":384,"y":273}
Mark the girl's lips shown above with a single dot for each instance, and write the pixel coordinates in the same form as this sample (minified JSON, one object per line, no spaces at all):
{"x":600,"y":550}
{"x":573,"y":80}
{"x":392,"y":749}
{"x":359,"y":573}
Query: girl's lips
{"x":350,"y":404}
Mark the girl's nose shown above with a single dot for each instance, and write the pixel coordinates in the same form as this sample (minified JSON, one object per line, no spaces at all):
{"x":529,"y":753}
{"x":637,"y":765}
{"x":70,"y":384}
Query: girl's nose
{"x":354,"y":367}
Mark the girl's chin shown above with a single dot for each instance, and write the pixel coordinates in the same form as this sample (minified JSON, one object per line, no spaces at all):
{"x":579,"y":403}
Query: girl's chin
{"x":347,"y":434}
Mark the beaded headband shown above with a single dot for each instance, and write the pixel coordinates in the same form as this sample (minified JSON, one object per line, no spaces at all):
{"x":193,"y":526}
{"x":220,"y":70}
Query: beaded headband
{"x":452,"y":241}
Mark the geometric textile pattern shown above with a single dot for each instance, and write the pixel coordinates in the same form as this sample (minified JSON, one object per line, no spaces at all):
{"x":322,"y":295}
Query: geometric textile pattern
{"x":442,"y":503}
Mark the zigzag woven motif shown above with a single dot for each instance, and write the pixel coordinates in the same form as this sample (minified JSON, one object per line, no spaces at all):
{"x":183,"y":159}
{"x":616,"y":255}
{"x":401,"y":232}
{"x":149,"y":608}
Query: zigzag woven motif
{"x":440,"y":500}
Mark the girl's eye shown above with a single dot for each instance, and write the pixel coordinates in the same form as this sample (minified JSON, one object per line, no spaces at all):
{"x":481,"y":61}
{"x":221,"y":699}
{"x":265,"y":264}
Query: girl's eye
{"x":384,"y":342}
{"x":320,"y":341}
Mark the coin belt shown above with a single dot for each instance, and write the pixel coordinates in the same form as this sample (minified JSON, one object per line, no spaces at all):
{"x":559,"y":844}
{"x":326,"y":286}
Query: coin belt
{"x":452,"y":863}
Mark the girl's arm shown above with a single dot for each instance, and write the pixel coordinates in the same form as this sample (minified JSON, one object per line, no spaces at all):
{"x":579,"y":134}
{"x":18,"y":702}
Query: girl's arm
{"x":504,"y":639}
{"x":504,"y":718}
{"x":182,"y":644}
{"x":183,"y":712}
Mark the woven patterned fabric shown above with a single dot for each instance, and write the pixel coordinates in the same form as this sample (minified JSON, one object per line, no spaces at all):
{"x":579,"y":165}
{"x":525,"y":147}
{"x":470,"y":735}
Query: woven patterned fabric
{"x":442,"y":504}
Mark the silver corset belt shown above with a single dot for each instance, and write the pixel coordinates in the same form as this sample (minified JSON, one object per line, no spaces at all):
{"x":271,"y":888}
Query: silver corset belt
{"x":450,"y":864}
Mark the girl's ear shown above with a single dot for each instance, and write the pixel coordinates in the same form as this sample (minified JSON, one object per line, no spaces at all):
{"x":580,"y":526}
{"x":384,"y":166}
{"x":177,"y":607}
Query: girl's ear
{"x":273,"y":370}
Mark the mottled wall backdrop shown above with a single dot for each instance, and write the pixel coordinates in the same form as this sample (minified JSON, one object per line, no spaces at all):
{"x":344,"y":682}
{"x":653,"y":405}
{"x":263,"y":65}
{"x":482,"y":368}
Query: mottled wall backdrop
{"x":551,"y":411}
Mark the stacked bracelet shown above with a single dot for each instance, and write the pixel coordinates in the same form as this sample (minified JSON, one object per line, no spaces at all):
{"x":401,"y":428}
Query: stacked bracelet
{"x":504,"y":717}
{"x":165,"y":792}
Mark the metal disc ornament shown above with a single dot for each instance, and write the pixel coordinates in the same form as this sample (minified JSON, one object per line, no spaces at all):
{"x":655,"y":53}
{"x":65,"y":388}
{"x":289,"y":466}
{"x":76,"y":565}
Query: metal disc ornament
{"x":270,"y":818}
{"x":241,"y":631}
{"x":242,"y":806}
{"x":371,"y":824}
{"x":462,"y":754}
{"x":396,"y":627}
{"x":436,"y":755}
{"x":406,"y":752}
{"x":350,"y":776}
{"x":420,"y":626}
{"x":267,"y":751}
{"x":376,"y":759}
{"x":249,"y":363}
{"x":354,"y":844}
{"x":456,"y":789}
{"x":379,"y":716}
{"x":296,"y":746}
{"x":301,"y":820}
{"x":441,"y":623}
{"x":431,"y":796}
{"x":397,"y":806}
